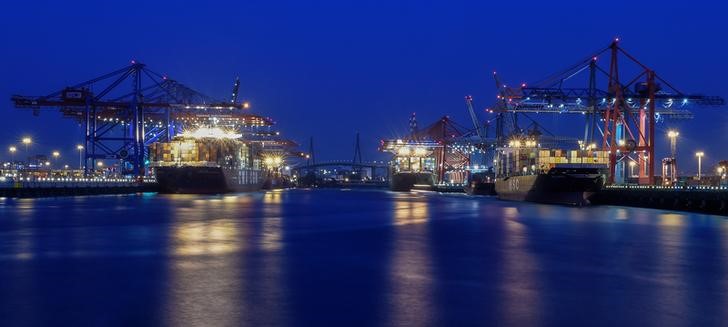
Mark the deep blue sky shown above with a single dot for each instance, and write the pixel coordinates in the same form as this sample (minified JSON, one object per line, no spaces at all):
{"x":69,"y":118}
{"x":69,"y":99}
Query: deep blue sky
{"x":330,"y":68}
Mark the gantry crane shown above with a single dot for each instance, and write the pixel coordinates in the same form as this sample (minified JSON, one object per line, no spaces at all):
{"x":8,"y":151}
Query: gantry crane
{"x":627,"y":108}
{"x":127,"y":109}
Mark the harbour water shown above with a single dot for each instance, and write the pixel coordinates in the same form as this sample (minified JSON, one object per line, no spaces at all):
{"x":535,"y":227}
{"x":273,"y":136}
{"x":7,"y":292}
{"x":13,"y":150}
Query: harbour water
{"x":345,"y":258}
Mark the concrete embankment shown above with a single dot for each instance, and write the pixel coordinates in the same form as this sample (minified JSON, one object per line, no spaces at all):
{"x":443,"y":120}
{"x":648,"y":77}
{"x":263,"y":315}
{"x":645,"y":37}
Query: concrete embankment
{"x":71,"y":187}
{"x":704,"y":199}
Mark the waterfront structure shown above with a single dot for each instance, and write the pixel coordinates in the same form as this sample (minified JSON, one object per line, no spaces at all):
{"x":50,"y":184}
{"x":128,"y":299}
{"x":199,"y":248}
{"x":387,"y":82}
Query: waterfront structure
{"x":207,"y":160}
{"x":625,"y":110}
{"x":528,"y":171}
{"x":437,"y":154}
{"x":124,"y":111}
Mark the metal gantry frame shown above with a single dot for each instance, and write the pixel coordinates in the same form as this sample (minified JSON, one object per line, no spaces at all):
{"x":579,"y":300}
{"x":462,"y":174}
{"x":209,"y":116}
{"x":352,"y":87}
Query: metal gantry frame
{"x":129,"y":108}
{"x":628,"y":111}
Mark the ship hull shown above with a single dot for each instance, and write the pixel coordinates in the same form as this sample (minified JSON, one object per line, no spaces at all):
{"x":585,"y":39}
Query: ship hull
{"x":207,"y":180}
{"x":554,"y":187}
{"x":480,"y":184}
{"x":405,"y":181}
{"x":480,"y":188}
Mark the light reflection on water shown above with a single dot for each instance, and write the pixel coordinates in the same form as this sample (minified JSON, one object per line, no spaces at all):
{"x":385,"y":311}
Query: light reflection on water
{"x":410,"y":270}
{"x":520,"y":289}
{"x":208,"y":238}
{"x":203,"y":284}
{"x":221,"y":274}
{"x":666,"y":267}
{"x":272,"y":224}
{"x":399,"y":259}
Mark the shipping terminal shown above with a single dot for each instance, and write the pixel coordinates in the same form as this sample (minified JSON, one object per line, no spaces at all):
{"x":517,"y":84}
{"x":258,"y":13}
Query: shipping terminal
{"x":189,"y":142}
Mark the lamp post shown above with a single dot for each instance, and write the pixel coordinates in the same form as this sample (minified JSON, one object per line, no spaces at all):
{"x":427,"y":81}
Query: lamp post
{"x":100,"y":166}
{"x":27,"y":141}
{"x":700,"y":155}
{"x":673,"y":141}
{"x":12,"y":150}
{"x":631,"y":168}
{"x":55,"y":155}
{"x":80,"y":156}
{"x":673,"y":134}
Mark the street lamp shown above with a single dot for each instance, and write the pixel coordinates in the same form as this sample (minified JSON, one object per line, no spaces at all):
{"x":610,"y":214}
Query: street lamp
{"x":55,"y":155}
{"x":100,"y":165}
{"x":631,"y":168}
{"x":27,"y":141}
{"x":12,"y":150}
{"x":673,"y":141}
{"x":80,"y":156}
{"x":700,"y":155}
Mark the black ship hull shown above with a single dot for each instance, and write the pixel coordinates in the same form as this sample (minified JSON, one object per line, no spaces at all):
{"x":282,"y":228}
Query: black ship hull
{"x":480,"y":184}
{"x":207,"y":180}
{"x":567,"y":186}
{"x":405,"y":181}
{"x":480,"y":188}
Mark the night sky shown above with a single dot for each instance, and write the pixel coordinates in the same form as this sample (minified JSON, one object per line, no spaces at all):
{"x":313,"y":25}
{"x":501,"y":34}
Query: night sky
{"x":328,"y":69}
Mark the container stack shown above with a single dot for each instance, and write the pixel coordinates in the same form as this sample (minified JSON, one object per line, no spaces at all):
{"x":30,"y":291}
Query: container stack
{"x":589,"y":157}
{"x":548,"y":158}
{"x":195,"y":151}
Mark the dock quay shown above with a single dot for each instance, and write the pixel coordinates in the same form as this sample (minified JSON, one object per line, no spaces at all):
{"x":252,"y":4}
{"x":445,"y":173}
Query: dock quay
{"x":703,"y":199}
{"x":48,"y":187}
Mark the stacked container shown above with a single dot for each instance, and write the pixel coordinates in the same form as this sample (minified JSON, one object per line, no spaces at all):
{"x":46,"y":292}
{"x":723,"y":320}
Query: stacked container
{"x":589,"y":157}
{"x":198,"y":151}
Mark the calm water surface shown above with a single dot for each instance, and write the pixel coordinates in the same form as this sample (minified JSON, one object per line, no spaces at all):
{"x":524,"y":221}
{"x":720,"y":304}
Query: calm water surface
{"x":329,"y":257}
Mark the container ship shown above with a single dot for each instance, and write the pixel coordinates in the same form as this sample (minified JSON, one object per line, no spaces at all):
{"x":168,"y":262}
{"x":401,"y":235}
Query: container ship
{"x":207,"y":161}
{"x":433,"y":158}
{"x":527,"y":172}
{"x":413,"y":164}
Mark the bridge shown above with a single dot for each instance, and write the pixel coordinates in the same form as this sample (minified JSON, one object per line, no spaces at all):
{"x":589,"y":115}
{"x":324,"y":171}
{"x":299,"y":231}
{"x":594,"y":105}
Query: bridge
{"x":373,"y":167}
{"x":355,"y":165}
{"x":342,"y":163}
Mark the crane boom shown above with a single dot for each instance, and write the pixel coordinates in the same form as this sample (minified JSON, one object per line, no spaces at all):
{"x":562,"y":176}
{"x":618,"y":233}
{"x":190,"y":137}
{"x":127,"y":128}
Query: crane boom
{"x":236,"y":88}
{"x":473,"y":116}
